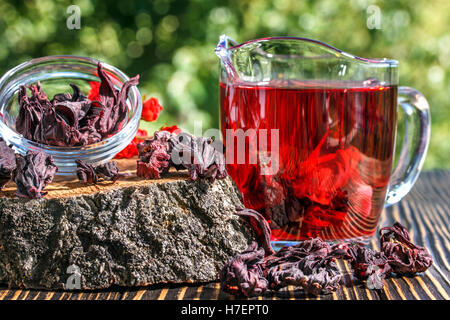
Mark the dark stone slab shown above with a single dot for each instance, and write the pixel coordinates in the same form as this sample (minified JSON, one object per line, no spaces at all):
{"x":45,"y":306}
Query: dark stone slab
{"x":171,"y":231}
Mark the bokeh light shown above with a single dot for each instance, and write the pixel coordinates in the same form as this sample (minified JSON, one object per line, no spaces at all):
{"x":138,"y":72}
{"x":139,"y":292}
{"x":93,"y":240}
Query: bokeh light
{"x":171,"y":45}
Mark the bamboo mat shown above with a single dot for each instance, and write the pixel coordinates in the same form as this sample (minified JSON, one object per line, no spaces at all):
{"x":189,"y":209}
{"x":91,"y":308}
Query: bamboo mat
{"x":425,"y":212}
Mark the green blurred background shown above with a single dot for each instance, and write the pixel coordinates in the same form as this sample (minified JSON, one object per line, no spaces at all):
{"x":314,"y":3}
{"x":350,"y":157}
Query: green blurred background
{"x":171,"y":45}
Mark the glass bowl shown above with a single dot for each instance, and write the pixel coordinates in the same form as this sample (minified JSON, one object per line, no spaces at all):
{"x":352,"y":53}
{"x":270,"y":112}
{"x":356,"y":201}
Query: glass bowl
{"x":55,"y":74}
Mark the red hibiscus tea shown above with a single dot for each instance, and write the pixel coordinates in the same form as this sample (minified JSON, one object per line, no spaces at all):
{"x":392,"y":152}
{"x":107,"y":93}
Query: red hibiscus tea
{"x":334,"y":157}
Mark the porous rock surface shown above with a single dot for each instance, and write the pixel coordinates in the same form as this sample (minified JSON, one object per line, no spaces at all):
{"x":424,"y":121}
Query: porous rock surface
{"x":173,"y":231}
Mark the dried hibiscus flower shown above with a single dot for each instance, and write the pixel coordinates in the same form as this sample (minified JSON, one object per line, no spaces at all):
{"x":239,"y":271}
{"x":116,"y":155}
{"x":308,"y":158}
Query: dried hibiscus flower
{"x":199,"y":156}
{"x":307,"y":264}
{"x":243,"y":274}
{"x":114,"y":102}
{"x":403,"y":256}
{"x":183,"y":151}
{"x":73,"y":119}
{"x":109,"y":171}
{"x":313,"y":246}
{"x":33,"y":173}
{"x":367,"y":264}
{"x":88,"y":173}
{"x":311,"y":264}
{"x":154,"y":156}
{"x":314,"y":273}
{"x":7,"y":163}
{"x":57,"y":122}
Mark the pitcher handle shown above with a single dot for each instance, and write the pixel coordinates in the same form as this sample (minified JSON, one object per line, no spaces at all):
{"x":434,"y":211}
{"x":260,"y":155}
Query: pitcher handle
{"x":415,"y":143}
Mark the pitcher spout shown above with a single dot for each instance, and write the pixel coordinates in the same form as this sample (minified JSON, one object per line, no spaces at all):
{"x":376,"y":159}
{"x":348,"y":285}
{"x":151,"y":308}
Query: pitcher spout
{"x":223,"y":53}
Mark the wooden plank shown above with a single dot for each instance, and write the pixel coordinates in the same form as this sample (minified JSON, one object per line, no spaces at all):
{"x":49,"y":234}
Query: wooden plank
{"x":425,"y":213}
{"x":181,"y":293}
{"x":162,"y":295}
{"x":16,"y":295}
{"x":392,"y":291}
{"x":357,"y":292}
{"x":348,"y":289}
{"x":198,"y":293}
{"x":139,"y":294}
{"x":3,"y":293}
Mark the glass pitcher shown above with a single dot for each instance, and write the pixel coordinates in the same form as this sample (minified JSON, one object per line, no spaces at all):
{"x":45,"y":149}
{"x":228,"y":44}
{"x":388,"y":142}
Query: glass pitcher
{"x":310,"y":135}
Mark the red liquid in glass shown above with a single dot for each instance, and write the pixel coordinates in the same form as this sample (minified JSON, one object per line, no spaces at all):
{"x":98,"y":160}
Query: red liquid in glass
{"x":335,"y":155}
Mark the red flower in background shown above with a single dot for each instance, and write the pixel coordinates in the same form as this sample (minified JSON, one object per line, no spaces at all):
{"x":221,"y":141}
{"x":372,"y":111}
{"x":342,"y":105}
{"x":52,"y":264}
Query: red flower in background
{"x":129,"y":152}
{"x":171,"y":129}
{"x":93,"y":92}
{"x":131,"y":149}
{"x":150,"y":112}
{"x":151,"y":109}
{"x":141,"y":133}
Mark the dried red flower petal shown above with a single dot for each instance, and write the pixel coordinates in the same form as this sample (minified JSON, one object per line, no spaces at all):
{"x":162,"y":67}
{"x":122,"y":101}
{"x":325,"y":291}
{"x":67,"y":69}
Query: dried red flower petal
{"x":55,"y":122}
{"x":404,"y":256}
{"x":109,"y":171}
{"x":114,"y":102}
{"x":314,"y":273}
{"x":73,"y":119}
{"x":260,"y":226}
{"x":182,"y":151}
{"x":242,"y":275}
{"x":33,"y":173}
{"x":311,"y":263}
{"x":151,"y":109}
{"x":313,"y":246}
{"x":376,"y":275}
{"x":199,"y":156}
{"x":7,"y":163}
{"x":308,"y":264}
{"x":367,"y":262}
{"x":30,"y":110}
{"x":154,"y":156}
{"x":88,"y":173}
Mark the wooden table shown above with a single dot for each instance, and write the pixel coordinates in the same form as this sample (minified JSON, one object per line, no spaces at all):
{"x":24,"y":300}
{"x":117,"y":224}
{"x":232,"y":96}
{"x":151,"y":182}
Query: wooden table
{"x":425,"y":212}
